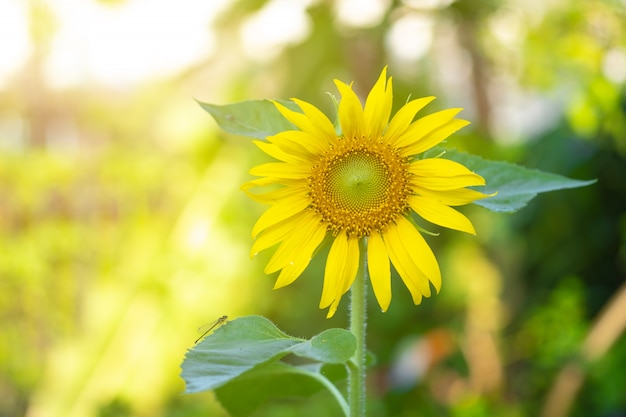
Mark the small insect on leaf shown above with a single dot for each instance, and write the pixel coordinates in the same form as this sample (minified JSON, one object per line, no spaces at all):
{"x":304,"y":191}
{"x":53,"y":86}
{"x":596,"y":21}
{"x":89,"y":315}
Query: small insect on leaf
{"x":207,"y":328}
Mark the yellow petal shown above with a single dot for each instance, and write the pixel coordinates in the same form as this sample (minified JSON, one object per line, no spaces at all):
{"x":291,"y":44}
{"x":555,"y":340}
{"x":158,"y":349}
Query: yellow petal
{"x":420,"y":253}
{"x":290,"y":155}
{"x":435,"y":137}
{"x":319,"y":120}
{"x":303,"y":122}
{"x":440,"y":214}
{"x":341,"y":267}
{"x":351,"y":116}
{"x":413,"y":278}
{"x":292,"y":138}
{"x":279,"y":212}
{"x":274,"y":151}
{"x":275,"y":196}
{"x":421,"y":127}
{"x":448,"y":183}
{"x":438,"y":167}
{"x":258,"y":182}
{"x":306,"y":234}
{"x":442,"y":174}
{"x":272,"y":235}
{"x":333,"y":270}
{"x":303,"y":249}
{"x":378,"y":106}
{"x":350,"y":271}
{"x":351,"y":265}
{"x":281,"y":170}
{"x":456,"y":197}
{"x":379,"y":270}
{"x":403,"y":118}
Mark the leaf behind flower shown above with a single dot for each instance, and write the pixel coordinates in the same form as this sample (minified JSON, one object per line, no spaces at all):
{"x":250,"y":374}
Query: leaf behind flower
{"x":515,"y":185}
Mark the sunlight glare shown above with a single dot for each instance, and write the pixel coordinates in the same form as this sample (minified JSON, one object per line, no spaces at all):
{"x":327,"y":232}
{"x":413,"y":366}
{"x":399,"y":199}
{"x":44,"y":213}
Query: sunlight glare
{"x":410,"y":37}
{"x":279,"y":24}
{"x":361,"y":13}
{"x":508,"y":27}
{"x":14,"y":42}
{"x":428,"y":4}
{"x":128,"y":43}
{"x":614,"y":65}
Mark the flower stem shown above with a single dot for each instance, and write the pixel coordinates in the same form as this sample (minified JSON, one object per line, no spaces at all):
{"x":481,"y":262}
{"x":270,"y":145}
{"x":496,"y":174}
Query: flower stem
{"x":358,"y":324}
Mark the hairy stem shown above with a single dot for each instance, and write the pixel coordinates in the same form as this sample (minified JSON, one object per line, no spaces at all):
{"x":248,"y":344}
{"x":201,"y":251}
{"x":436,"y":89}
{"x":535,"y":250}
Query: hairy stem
{"x":358,"y":324}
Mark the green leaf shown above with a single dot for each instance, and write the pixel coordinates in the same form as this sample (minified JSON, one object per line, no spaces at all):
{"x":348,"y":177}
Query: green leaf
{"x":233,"y":349}
{"x":515,"y":185}
{"x":248,"y":342}
{"x":245,"y":394}
{"x":254,"y":118}
{"x":330,"y":346}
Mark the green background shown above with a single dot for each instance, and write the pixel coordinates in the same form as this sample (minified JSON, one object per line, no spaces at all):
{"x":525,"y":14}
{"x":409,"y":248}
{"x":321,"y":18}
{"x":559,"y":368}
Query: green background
{"x":123,"y":229}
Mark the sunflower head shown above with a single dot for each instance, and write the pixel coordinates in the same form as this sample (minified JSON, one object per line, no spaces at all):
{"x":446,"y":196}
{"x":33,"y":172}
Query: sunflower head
{"x":356,"y":189}
{"x":361,"y":185}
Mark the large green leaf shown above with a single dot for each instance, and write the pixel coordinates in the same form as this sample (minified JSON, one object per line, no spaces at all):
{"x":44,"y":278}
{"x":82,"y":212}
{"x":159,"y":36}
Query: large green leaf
{"x":330,"y":346}
{"x":276,"y":380}
{"x":248,"y":342}
{"x":231,"y":350}
{"x":254,"y":118}
{"x":515,"y":185}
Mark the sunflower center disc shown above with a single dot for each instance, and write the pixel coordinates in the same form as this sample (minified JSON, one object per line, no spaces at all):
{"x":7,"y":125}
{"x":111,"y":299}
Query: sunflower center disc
{"x":359,"y":187}
{"x":358,"y":181}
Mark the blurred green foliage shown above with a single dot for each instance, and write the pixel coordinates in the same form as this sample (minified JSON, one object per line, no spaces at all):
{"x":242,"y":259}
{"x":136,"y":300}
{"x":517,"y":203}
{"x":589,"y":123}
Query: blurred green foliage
{"x":122,"y":227}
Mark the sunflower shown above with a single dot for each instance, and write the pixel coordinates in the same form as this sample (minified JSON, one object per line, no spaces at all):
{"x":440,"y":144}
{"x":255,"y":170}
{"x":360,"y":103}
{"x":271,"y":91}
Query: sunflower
{"x":360,"y":186}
